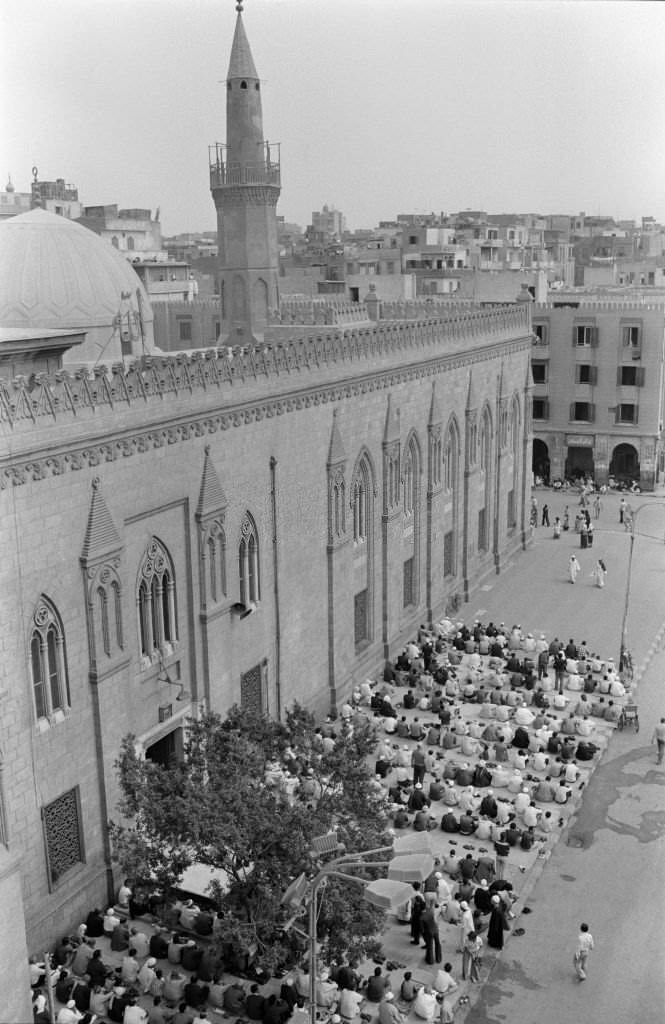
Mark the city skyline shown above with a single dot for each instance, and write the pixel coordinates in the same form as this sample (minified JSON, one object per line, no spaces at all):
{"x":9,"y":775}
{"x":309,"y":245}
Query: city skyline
{"x":381,"y":107}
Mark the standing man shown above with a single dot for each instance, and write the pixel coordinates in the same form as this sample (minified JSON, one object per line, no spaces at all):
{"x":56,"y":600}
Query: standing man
{"x":546,"y":516}
{"x":430,"y":929}
{"x":597,"y":505}
{"x":418,"y":764}
{"x":417,"y":907}
{"x":622,"y":509}
{"x":659,"y":738}
{"x":584,"y":947}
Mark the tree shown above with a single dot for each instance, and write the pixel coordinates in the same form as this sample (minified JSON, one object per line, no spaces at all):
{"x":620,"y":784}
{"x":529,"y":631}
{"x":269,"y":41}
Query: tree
{"x":218,"y":807}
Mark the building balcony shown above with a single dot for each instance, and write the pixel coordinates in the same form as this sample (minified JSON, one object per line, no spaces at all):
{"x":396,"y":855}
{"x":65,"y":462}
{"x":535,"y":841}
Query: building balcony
{"x":265,"y":171}
{"x":223,"y":175}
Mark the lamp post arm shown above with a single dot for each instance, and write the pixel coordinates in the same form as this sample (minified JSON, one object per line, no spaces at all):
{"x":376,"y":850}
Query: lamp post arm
{"x":331,"y":869}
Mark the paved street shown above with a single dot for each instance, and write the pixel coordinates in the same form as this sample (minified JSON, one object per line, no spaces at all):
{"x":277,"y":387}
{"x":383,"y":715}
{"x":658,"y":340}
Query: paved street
{"x":612,"y":873}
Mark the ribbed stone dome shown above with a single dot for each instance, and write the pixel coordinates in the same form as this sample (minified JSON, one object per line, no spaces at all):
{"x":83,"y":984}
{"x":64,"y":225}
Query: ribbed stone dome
{"x":57,"y":274}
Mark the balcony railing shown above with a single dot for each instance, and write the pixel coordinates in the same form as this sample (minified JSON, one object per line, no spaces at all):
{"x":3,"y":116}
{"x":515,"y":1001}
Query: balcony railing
{"x":265,"y":170}
{"x":245,"y":174}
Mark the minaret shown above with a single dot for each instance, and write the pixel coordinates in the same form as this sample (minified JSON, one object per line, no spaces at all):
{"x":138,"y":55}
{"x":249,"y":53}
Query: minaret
{"x":245,"y":185}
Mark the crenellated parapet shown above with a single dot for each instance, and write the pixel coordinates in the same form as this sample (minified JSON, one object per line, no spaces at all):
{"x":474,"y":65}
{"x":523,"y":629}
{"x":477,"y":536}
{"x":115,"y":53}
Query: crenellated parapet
{"x":417,"y":309}
{"x":65,"y":395}
{"x":318,"y":311}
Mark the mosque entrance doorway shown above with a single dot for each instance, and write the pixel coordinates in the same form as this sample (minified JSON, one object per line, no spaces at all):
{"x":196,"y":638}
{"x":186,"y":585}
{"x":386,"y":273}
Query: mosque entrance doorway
{"x":540,"y":461}
{"x":167,"y":750}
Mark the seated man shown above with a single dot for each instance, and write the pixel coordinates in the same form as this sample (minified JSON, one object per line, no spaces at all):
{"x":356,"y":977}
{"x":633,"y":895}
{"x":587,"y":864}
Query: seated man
{"x":612,"y":712}
{"x":196,"y":994}
{"x":94,"y":924}
{"x":234,"y":999}
{"x":467,"y":825}
{"x":111,"y":921}
{"x":326,"y":991}
{"x":255,"y":1003}
{"x":191,"y":956}
{"x":174,"y":987}
{"x":377,"y":986}
{"x":401,"y":819}
{"x":449,"y":822}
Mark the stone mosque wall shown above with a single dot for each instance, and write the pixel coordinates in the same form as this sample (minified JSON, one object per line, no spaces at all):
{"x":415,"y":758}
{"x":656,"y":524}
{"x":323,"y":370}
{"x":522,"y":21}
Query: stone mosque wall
{"x":341,"y":489}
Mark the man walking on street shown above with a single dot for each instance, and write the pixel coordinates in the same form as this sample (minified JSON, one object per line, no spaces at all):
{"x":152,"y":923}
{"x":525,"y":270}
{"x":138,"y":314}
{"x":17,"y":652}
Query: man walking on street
{"x":584,"y":947}
{"x":659,"y":737}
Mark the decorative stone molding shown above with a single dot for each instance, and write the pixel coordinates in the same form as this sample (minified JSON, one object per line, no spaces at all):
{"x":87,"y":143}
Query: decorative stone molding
{"x":151,"y":380}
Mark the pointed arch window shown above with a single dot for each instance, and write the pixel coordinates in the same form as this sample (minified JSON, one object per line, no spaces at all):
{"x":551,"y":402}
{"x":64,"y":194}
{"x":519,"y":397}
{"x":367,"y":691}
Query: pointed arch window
{"x":156,"y":601}
{"x":360,"y":509}
{"x":339,"y":517}
{"x":248,"y":562}
{"x":361,"y":502}
{"x":48,"y":661}
{"x":103,"y":601}
{"x":409,"y":481}
{"x":450,"y":460}
{"x":117,"y":613}
{"x":485,"y":444}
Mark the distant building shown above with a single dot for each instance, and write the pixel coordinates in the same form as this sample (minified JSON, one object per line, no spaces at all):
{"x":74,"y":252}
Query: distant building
{"x":328,"y":225}
{"x":53,"y":196}
{"x":597,"y":366}
{"x":129,"y":231}
{"x":167,"y":281}
{"x":56,"y":197}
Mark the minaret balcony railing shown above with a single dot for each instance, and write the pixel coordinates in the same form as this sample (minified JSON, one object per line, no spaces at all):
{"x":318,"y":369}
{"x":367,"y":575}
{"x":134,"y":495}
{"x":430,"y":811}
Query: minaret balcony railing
{"x":265,"y":170}
{"x":222,"y":175}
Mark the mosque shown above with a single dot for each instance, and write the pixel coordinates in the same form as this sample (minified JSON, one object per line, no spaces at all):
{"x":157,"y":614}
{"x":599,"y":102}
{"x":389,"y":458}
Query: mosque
{"x":256,"y":523}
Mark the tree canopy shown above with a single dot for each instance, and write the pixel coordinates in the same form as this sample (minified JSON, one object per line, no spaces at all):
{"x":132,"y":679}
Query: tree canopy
{"x":217,"y":807}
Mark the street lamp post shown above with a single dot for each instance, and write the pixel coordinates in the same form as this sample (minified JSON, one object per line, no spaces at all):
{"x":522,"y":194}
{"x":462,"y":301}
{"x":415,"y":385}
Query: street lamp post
{"x":413,"y":863}
{"x":626,"y":604}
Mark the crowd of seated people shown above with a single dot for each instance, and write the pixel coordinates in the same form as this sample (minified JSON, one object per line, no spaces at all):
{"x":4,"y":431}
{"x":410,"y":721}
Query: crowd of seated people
{"x":484,"y":733}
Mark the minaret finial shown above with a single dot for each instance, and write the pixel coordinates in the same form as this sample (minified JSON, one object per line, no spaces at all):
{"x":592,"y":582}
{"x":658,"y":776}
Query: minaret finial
{"x":239,"y":7}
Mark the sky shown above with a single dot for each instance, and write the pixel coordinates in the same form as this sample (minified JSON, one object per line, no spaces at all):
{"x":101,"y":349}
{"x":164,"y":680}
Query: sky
{"x":381,"y":106}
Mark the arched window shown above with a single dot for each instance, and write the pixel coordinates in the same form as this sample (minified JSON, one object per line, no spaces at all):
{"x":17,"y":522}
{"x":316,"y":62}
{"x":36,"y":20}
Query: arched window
{"x":117,"y":611}
{"x":130,"y":243}
{"x":338,"y":507}
{"x":485,"y":443}
{"x":409,"y":482}
{"x":248,"y":562}
{"x":450,"y":459}
{"x":48,"y":661}
{"x":103,"y":602}
{"x":156,"y":601}
{"x":114,"y":241}
{"x":360,"y":509}
{"x":212,"y":567}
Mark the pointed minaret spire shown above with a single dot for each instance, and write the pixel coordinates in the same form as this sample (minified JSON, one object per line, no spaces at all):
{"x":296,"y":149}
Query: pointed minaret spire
{"x":245,"y":185}
{"x":241,"y":63}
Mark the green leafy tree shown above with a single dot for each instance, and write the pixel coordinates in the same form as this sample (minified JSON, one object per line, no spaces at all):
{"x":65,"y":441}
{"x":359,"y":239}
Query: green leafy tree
{"x":217,"y":807}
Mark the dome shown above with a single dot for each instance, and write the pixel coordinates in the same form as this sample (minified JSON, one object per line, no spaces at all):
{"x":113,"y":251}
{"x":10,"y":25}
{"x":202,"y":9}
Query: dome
{"x":56,"y":274}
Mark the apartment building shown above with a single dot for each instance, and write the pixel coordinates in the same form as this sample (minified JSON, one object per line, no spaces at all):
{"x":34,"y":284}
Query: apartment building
{"x":597,"y":368}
